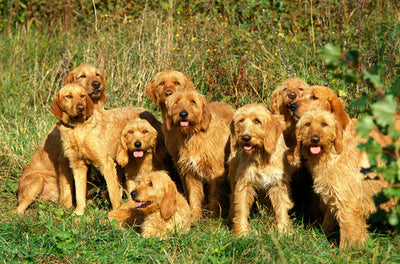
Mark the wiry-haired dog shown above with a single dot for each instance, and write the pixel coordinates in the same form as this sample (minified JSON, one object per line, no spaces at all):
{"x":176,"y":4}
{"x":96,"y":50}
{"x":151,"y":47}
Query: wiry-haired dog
{"x":139,"y":151}
{"x":157,"y":207}
{"x":197,"y":136}
{"x":258,"y":162}
{"x":335,"y":164}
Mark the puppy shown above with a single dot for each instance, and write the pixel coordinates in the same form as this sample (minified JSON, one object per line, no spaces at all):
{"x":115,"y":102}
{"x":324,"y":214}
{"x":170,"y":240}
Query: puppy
{"x":139,"y":151}
{"x":48,"y":173}
{"x":91,"y":137}
{"x":335,"y":164}
{"x":197,"y":136}
{"x":258,"y":162}
{"x":157,"y":207}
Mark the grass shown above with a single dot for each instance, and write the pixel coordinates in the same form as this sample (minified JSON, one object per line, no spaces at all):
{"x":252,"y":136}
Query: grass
{"x":231,"y":56}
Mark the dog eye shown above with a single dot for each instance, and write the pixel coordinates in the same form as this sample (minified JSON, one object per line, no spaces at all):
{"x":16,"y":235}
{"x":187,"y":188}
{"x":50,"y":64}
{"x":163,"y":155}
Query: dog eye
{"x":130,"y":131}
{"x":193,"y":102}
{"x":313,"y":97}
{"x":97,"y":74}
{"x":150,"y":184}
{"x":82,"y":76}
{"x":241,"y":120}
{"x":257,"y":121}
{"x":307,"y":124}
{"x":161,"y":83}
{"x":145,"y":131}
{"x":82,"y":96}
{"x":324,"y":124}
{"x":301,"y":89}
{"x":177,"y":83}
{"x":69,"y":96}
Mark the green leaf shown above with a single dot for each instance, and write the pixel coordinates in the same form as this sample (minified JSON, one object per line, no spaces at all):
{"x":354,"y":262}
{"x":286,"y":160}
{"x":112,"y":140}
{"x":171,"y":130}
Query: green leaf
{"x":394,"y":218}
{"x":361,"y":102}
{"x":392,"y":192}
{"x":384,"y":110}
{"x":372,"y":148}
{"x":395,"y":89}
{"x":364,"y":126}
{"x":331,"y":54}
{"x":390,"y":172}
{"x":374,"y":79}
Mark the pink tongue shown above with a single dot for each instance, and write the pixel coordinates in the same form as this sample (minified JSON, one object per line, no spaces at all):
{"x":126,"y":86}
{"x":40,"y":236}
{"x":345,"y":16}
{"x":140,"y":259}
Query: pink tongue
{"x":137,"y":204}
{"x":184,"y":123}
{"x":315,"y":149}
{"x":138,"y":154}
{"x":247,"y":147}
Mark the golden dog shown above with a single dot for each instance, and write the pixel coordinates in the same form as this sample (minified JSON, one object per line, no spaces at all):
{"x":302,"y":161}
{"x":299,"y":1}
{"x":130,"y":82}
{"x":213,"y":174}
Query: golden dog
{"x":258,"y":162}
{"x":139,"y":151}
{"x":157,"y":207}
{"x":196,"y":136}
{"x":335,"y":164}
{"x":48,"y":173}
{"x":91,"y":138}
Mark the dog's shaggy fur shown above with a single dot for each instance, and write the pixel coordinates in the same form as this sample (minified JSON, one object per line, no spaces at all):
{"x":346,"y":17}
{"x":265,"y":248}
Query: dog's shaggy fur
{"x":91,"y":138}
{"x":48,"y":173}
{"x":140,"y":150}
{"x":196,"y":136}
{"x":258,"y":161}
{"x":334,"y":162}
{"x":157,"y":207}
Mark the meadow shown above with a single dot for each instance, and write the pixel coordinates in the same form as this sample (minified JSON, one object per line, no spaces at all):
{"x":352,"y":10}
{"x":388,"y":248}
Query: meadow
{"x":233,"y":52}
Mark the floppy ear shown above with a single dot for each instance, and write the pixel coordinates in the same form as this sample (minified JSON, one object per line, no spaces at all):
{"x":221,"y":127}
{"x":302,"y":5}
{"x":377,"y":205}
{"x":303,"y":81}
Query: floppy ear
{"x":339,"y":138}
{"x":122,"y":157}
{"x":294,"y":157}
{"x":168,"y":203}
{"x":188,"y":83}
{"x":70,"y":78}
{"x":160,"y":150}
{"x":233,"y":137}
{"x":272,"y":134}
{"x":338,"y":110}
{"x":103,"y":93}
{"x":56,"y":108}
{"x":89,"y":106}
{"x":168,"y":122}
{"x":205,"y":118}
{"x":151,"y":91}
{"x":275,"y":102}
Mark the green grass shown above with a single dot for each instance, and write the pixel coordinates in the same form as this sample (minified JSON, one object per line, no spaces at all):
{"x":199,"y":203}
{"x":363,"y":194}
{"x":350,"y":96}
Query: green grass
{"x":231,"y":56}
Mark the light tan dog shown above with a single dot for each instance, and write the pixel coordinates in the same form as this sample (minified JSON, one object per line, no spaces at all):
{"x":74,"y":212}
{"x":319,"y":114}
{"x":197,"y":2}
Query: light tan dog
{"x":164,"y":84}
{"x":196,"y":136}
{"x":258,"y":161}
{"x":281,"y":98}
{"x":335,"y":164}
{"x":48,"y":165}
{"x":157,"y":207}
{"x":140,"y":150}
{"x":91,"y":138}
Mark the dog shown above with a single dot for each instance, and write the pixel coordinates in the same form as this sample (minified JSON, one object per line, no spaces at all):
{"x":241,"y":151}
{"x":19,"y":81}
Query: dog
{"x":281,"y":98}
{"x":164,"y":84}
{"x":140,"y":150}
{"x":258,"y":161}
{"x":157,"y":207}
{"x":197,"y":134}
{"x":48,"y":173}
{"x":335,"y":165}
{"x":91,"y":138}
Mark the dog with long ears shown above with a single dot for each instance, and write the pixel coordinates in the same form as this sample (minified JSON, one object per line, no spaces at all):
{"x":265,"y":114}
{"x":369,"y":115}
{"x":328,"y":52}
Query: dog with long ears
{"x":91,"y":138}
{"x":197,"y":138}
{"x":335,"y":164}
{"x":48,"y":173}
{"x":258,"y":161}
{"x":157,"y":207}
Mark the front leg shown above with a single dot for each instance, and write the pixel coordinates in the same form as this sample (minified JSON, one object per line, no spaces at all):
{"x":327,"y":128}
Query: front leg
{"x":195,"y":194}
{"x":243,"y":198}
{"x":79,"y":170}
{"x":281,"y":203}
{"x":108,"y":169}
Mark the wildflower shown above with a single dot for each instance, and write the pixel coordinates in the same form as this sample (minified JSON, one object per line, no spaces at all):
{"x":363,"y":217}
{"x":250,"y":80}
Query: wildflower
{"x":190,"y":55}
{"x":106,"y":15}
{"x":246,"y":52}
{"x":281,"y":35}
{"x":180,"y":27}
{"x":193,"y":38}
{"x":177,"y":35}
{"x":276,"y":54}
{"x":178,"y":12}
{"x":106,"y":21}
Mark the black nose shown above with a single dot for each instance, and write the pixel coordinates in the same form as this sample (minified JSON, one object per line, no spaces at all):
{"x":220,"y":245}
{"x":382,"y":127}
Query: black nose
{"x":138,"y":144}
{"x":246,"y":138}
{"x":96,"y":84}
{"x":183,"y":114}
{"x":293,"y":107}
{"x":134,"y":194}
{"x":315,"y":139}
{"x":80,"y":107}
{"x":292,"y":96}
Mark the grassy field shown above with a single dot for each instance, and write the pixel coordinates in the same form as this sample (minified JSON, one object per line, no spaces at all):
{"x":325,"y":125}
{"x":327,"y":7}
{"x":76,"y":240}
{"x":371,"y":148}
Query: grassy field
{"x":235,"y":53}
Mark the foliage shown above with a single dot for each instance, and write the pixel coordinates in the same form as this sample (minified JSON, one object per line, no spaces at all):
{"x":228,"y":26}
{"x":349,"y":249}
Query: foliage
{"x":380,"y":112}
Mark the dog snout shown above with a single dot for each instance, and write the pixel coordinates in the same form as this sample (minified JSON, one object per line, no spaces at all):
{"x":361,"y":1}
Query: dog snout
{"x":246,"y":137}
{"x":292,"y":96}
{"x":138,"y":144}
{"x":134,"y":194}
{"x":96,"y":84}
{"x":80,"y":107}
{"x":293,"y":107}
{"x":183,"y":114}
{"x":315,"y":139}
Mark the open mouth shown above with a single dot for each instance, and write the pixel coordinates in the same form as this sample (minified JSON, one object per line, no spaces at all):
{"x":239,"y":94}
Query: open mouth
{"x":247,"y":147}
{"x":315,"y":150}
{"x":184,"y":123}
{"x":138,"y":153}
{"x":141,"y":205}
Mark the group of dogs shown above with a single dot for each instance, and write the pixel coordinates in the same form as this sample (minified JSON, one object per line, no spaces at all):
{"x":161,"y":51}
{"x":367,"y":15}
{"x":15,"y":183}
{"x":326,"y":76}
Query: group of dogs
{"x":301,"y":152}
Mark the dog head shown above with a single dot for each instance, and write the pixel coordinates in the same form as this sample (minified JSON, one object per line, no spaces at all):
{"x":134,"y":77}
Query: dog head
{"x":155,"y":191}
{"x":91,"y":79}
{"x":72,"y":105}
{"x":188,"y":111}
{"x":166,"y":83}
{"x":254,"y":129}
{"x":285,"y":94}
{"x":138,"y":139}
{"x":320,"y":97}
{"x":318,"y":133}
